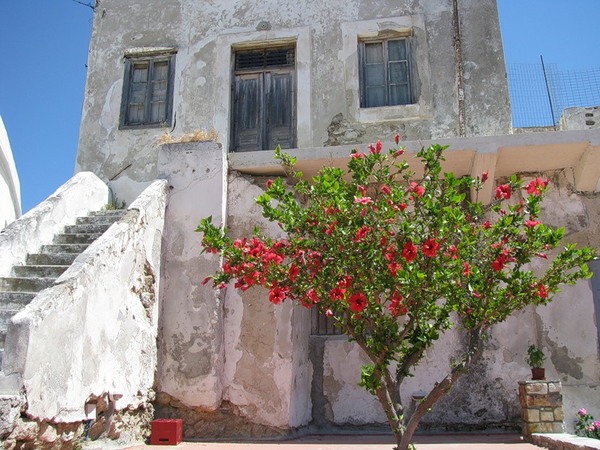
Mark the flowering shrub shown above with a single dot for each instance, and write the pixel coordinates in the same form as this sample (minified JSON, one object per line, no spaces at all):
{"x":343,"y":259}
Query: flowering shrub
{"x":586,"y":426}
{"x":390,"y":257}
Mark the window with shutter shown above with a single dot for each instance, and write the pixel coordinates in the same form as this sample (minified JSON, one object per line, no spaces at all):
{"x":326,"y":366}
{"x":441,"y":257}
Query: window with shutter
{"x":263,"y":110}
{"x":147,"y":91}
{"x":385,"y":73}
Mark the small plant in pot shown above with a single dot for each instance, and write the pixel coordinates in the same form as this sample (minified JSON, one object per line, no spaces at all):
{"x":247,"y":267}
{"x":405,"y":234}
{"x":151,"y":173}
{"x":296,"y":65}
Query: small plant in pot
{"x":535,"y":359}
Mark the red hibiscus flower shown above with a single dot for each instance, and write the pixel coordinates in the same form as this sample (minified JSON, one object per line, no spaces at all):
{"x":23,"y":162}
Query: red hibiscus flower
{"x":484,"y":176}
{"x":499,"y":263}
{"x":394,"y":268}
{"x":376,"y":149}
{"x":357,"y":155}
{"x":396,"y":307}
{"x":363,"y":200}
{"x":312,"y":296}
{"x":531,"y":223}
{"x":409,"y":252}
{"x":537,"y":186}
{"x":503,"y":192}
{"x":337,"y":293}
{"x":466,"y":269}
{"x":277,"y":294}
{"x":417,"y":189}
{"x":541,"y":291}
{"x":358,"y":302}
{"x":430,"y":248}
{"x":362,"y":233}
{"x":294,"y":271}
{"x":386,"y":189}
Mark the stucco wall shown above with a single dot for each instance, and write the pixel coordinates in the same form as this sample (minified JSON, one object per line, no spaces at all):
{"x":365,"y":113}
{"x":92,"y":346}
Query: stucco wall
{"x":10,"y":190}
{"x":326,"y":36}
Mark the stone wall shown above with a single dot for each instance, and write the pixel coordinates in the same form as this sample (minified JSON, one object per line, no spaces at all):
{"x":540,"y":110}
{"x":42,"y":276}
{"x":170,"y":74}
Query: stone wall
{"x":541,"y":407}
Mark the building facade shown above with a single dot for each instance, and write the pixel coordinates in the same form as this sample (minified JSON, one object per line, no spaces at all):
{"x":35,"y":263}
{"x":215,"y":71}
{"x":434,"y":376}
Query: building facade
{"x":322,"y":74}
{"x":318,"y":80}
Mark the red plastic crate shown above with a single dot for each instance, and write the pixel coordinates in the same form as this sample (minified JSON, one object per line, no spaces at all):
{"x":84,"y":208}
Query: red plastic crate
{"x":166,"y":432}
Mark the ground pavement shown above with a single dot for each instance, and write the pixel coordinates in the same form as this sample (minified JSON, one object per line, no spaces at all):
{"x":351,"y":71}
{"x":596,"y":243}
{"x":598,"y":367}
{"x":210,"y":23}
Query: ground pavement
{"x":343,"y":442}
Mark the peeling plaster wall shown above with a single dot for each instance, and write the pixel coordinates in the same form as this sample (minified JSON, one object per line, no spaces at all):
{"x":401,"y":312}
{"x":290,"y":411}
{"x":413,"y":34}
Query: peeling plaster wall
{"x":221,"y":350}
{"x":267,"y":374}
{"x":191,"y":354}
{"x":104,"y":307}
{"x":326,"y":35}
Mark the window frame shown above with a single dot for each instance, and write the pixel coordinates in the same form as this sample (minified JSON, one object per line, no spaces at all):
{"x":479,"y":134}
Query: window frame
{"x":151,"y":59}
{"x":386,"y":64}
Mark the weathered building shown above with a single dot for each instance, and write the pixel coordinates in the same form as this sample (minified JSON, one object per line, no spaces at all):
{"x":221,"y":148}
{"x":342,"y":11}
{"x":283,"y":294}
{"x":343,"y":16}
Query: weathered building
{"x":322,"y":73}
{"x":319,"y":79}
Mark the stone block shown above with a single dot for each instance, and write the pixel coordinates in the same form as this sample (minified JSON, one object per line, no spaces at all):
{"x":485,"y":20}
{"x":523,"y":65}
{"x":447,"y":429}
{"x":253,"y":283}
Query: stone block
{"x":536,"y":388}
{"x":554,"y":386}
{"x":547,"y":415}
{"x":540,"y":427}
{"x":531,"y":415}
{"x":558,"y":427}
{"x":552,"y":400}
{"x":559,"y":414}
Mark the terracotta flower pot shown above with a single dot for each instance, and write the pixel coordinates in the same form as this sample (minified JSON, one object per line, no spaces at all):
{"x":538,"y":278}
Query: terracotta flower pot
{"x":538,"y":373}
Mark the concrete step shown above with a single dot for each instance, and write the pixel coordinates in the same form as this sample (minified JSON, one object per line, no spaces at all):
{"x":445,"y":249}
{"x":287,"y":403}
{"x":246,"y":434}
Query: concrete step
{"x":15,"y":300}
{"x":64,"y":248}
{"x":76,"y":238}
{"x":101,"y":217}
{"x":39,"y":271}
{"x":87,"y":228}
{"x":20,"y":284}
{"x":48,"y":259}
{"x":118,"y":213}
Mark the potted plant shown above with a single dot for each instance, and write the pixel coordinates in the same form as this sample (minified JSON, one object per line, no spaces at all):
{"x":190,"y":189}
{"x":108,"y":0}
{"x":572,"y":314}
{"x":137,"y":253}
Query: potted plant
{"x":535,"y":359}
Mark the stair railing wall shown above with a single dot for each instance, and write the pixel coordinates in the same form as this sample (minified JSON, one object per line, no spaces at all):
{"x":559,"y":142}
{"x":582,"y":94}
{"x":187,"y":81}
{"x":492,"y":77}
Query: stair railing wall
{"x":94,"y":332}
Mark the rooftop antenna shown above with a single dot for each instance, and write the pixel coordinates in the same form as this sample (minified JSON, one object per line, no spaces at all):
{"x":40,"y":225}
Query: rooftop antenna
{"x":548,"y":92}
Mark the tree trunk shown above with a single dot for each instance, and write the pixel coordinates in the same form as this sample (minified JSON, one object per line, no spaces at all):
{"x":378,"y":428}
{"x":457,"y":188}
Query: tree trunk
{"x":473,"y":352}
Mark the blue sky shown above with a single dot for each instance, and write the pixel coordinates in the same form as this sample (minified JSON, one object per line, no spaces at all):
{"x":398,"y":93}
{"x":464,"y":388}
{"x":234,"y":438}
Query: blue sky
{"x":43,"y":49}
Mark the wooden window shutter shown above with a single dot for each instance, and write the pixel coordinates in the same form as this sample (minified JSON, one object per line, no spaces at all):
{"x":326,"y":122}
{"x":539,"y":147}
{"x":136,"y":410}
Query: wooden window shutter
{"x":247,"y":112}
{"x":280,"y":122}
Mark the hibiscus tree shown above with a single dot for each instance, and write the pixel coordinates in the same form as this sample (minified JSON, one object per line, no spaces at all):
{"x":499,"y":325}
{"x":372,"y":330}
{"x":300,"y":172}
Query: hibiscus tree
{"x":395,"y":260}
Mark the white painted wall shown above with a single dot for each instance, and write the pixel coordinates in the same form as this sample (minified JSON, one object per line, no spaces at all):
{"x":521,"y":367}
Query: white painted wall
{"x":10,"y":189}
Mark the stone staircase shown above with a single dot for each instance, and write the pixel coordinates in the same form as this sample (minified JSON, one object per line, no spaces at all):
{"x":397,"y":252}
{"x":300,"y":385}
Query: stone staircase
{"x":42,"y":269}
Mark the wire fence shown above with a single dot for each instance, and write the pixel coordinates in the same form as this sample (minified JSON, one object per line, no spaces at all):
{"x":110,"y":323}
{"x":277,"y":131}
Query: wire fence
{"x":540,"y":92}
